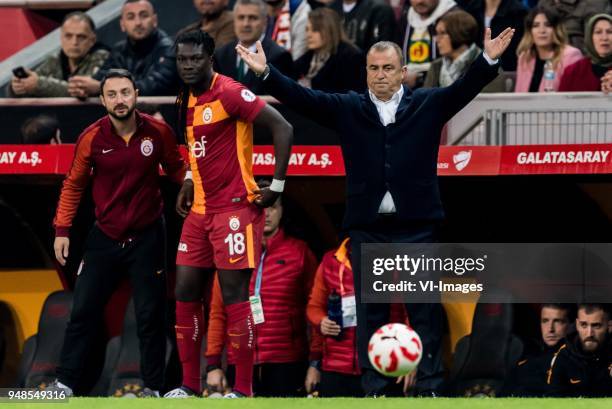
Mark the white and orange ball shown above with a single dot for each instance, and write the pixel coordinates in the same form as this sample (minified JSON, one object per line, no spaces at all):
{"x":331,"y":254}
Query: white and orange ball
{"x":395,"y":350}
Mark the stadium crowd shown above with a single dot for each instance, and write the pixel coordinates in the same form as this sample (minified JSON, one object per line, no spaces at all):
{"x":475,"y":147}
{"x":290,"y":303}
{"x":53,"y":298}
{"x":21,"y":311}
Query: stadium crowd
{"x":316,"y":41}
{"x":298,"y":350}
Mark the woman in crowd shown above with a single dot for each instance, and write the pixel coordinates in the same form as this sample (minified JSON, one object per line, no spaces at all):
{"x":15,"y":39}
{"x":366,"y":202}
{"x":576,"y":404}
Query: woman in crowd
{"x":331,"y":63}
{"x":456,"y":36}
{"x":587,"y":74}
{"x":543,"y":52}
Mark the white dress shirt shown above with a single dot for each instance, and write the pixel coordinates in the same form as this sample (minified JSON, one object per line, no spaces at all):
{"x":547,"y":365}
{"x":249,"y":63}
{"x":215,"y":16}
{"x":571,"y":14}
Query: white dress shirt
{"x":386,"y":113}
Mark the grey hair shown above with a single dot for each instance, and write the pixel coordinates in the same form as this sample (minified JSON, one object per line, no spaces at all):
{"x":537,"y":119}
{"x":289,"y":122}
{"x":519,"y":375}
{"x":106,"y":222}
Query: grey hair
{"x":382,"y":46}
{"x":263,"y":8}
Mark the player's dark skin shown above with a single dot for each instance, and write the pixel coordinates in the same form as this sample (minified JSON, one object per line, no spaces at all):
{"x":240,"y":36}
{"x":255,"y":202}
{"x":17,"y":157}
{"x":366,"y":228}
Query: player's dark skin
{"x":194,"y":67}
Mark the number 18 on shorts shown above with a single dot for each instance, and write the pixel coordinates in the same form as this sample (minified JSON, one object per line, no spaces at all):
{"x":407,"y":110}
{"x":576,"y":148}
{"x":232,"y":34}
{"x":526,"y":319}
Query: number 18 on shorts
{"x":226,"y":241}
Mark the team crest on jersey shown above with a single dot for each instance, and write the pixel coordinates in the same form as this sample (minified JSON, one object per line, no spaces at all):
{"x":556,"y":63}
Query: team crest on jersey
{"x":247,"y":95}
{"x":146,"y":147}
{"x":234,"y":223}
{"x":207,"y":115}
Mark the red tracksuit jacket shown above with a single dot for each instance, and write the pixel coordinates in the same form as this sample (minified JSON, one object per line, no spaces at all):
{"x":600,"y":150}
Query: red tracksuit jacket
{"x":124,"y":176}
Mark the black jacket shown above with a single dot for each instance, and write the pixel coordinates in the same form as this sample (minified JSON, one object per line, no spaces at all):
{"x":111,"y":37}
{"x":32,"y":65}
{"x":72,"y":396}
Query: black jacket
{"x":369,"y":22}
{"x":401,"y":157}
{"x":343,"y":72}
{"x":225,"y":62}
{"x":151,"y":61}
{"x":575,"y":373}
{"x":528,"y":378}
{"x":511,"y":13}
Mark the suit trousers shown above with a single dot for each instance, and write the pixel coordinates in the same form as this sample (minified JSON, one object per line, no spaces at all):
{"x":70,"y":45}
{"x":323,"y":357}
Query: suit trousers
{"x":426,"y":319}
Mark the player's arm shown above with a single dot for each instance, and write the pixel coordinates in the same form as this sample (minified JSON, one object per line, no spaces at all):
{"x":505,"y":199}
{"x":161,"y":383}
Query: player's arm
{"x":282,"y":135}
{"x":72,"y":190}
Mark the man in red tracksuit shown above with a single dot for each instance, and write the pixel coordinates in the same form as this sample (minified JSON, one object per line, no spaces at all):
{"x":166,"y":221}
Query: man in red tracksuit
{"x":341,"y":374}
{"x":119,"y":155}
{"x":282,"y":282}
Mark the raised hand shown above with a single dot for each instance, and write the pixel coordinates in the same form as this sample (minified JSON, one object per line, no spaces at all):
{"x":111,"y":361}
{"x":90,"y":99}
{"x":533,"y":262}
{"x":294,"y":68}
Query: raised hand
{"x":496,"y":47}
{"x":255,"y":61}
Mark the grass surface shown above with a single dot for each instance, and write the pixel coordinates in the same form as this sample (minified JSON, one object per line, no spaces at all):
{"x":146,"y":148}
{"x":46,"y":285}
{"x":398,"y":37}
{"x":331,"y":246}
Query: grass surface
{"x":383,"y":403}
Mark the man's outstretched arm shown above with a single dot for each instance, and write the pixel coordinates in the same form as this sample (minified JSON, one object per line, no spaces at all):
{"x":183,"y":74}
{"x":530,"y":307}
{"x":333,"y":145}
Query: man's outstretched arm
{"x":482,"y":71}
{"x":319,"y":106}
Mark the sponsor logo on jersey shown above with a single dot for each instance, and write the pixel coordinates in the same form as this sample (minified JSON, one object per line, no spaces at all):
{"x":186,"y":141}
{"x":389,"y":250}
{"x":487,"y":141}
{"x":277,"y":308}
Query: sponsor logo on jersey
{"x":182,"y":247}
{"x":198,"y":148}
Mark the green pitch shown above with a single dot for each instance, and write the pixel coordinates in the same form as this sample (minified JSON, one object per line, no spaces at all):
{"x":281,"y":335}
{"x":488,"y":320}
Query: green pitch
{"x":261,"y":403}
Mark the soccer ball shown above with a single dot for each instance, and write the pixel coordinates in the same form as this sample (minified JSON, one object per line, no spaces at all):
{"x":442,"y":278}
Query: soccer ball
{"x":395,"y":350}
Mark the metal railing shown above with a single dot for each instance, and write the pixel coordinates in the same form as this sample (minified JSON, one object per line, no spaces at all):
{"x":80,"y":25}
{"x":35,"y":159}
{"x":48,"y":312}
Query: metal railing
{"x":529,"y":119}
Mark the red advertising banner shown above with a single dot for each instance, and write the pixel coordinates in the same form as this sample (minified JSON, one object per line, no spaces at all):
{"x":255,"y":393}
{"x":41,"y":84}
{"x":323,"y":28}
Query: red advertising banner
{"x":326,"y":160}
{"x":556,"y":159}
{"x":35,"y":159}
{"x":468,"y":160}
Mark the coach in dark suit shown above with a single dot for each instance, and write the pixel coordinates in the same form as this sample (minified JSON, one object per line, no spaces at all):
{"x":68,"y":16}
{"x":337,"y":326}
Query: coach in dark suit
{"x":390,"y":138}
{"x":250,"y":18}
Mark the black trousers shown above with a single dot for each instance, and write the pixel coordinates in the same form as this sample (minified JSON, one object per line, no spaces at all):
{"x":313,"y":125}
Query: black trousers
{"x":105,"y":263}
{"x":276,"y":379}
{"x":335,"y":385}
{"x":426,"y":319}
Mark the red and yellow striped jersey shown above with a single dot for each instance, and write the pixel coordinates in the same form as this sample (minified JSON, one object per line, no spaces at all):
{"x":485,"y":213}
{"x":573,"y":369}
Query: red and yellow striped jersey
{"x":220,"y":140}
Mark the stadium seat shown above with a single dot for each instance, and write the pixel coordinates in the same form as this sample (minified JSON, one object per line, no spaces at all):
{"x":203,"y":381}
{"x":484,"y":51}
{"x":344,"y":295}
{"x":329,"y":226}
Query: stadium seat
{"x":483,"y":358}
{"x":41,"y":352}
{"x":121,"y":373}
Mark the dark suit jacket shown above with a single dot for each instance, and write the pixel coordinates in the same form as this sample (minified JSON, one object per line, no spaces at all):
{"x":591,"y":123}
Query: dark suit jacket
{"x":344,"y":71}
{"x":225,"y":62}
{"x":401,"y":157}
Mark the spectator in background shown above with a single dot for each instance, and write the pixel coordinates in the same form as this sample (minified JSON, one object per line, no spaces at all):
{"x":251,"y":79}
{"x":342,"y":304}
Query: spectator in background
{"x":216,"y":20}
{"x":456,"y":36}
{"x":574,"y":15}
{"x":250,"y":17}
{"x":544,"y":42}
{"x":582,"y":365}
{"x":497,"y":15}
{"x":332,"y":63}
{"x":529,"y":376}
{"x":147,"y":52}
{"x":283,"y":280}
{"x":587,"y":74}
{"x":417,"y":31}
{"x":367,"y":21}
{"x":287,"y":25}
{"x":79,"y":56}
{"x":40,"y":130}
